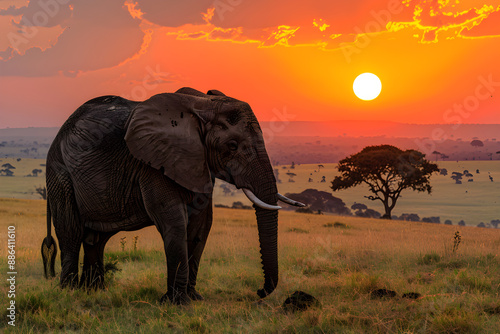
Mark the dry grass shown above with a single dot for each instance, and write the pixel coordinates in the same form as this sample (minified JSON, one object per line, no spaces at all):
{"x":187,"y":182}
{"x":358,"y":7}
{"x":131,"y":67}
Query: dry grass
{"x":339,"y":265}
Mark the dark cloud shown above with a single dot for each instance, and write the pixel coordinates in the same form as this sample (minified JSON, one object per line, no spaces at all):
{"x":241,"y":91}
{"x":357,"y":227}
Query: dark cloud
{"x":7,"y":53}
{"x":260,"y":14}
{"x":13,"y":11}
{"x":174,"y":13}
{"x":341,"y":15}
{"x":99,"y":34}
{"x":41,"y":13}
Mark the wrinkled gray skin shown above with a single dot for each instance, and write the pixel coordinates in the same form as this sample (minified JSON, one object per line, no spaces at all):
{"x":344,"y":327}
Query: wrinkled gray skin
{"x":119,"y":165}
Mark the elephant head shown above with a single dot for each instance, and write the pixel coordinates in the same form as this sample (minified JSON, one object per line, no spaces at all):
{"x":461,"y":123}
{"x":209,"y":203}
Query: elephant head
{"x":193,"y":137}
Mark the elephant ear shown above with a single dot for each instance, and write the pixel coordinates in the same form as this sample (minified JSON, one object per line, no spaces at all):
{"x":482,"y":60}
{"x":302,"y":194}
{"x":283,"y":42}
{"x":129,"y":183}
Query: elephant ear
{"x":165,"y":132}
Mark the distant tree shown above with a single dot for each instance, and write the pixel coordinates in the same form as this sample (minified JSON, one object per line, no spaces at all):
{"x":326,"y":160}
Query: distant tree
{"x":434,"y":220}
{"x":292,"y":175}
{"x":363,"y":211}
{"x":495,"y":223}
{"x":6,"y":172}
{"x":436,"y":153}
{"x":477,"y":143}
{"x":358,"y":206}
{"x":42,"y":191}
{"x":448,"y":222}
{"x":293,"y":165}
{"x":412,"y":217}
{"x":323,"y":179}
{"x":444,"y":156}
{"x":227,"y":189}
{"x":481,"y":224}
{"x":8,"y":166}
{"x":457,"y":177}
{"x":240,"y":205}
{"x":320,"y":200}
{"x":305,"y":210}
{"x":35,"y":172}
{"x":387,"y":170}
{"x":277,"y":175}
{"x":461,"y":223}
{"x":368,"y":213}
{"x":443,"y":171}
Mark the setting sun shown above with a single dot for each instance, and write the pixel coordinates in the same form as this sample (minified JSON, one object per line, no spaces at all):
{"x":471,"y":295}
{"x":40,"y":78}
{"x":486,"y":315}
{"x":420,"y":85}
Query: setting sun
{"x":367,"y":86}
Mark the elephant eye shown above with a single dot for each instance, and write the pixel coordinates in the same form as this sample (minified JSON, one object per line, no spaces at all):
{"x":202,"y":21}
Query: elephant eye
{"x":233,"y":145}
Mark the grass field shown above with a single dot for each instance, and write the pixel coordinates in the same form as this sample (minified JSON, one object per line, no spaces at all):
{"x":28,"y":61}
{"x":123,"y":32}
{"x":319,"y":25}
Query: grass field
{"x":338,"y":260}
{"x":473,"y":202}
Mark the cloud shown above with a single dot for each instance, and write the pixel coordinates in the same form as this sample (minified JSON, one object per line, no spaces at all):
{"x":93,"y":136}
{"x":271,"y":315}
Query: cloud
{"x":98,"y":35}
{"x":7,"y":54}
{"x":172,"y":13}
{"x":488,"y":27}
{"x":48,"y":13}
{"x":437,"y":20}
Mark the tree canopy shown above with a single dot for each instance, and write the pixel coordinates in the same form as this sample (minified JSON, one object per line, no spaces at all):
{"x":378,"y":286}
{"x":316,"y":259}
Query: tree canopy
{"x":387,"y":170}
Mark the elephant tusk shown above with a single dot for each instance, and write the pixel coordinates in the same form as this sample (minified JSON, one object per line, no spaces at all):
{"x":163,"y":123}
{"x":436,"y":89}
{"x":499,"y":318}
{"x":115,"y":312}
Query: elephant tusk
{"x":290,"y":201}
{"x":255,"y":200}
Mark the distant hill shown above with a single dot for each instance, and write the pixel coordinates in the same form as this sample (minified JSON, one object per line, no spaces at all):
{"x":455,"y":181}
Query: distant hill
{"x":316,"y":142}
{"x":43,"y":134}
{"x":329,"y":129}
{"x":382,"y":128}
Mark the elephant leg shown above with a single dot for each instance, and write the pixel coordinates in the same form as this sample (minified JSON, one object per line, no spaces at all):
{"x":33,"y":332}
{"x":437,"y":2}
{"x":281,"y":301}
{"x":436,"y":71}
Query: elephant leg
{"x":165,"y":203}
{"x":93,"y":260}
{"x":200,"y":222}
{"x":174,"y":239}
{"x":67,"y":224}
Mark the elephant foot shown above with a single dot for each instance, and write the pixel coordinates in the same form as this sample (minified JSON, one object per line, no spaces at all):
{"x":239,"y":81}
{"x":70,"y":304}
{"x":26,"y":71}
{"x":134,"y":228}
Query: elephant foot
{"x":92,"y":278}
{"x":70,"y":281}
{"x":176,"y":298}
{"x":92,"y":282}
{"x":194,"y":295}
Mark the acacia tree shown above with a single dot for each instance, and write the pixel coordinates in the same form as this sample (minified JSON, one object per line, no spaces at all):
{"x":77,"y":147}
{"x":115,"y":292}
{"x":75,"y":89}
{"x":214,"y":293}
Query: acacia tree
{"x":387,"y":171}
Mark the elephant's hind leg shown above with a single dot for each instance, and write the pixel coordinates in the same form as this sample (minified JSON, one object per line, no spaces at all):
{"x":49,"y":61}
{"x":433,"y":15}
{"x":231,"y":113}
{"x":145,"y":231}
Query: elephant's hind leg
{"x":93,"y":260}
{"x":66,"y":221}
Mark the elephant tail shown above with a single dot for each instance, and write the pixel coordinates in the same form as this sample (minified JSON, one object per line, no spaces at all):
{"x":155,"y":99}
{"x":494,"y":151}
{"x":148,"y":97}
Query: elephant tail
{"x":49,"y":248}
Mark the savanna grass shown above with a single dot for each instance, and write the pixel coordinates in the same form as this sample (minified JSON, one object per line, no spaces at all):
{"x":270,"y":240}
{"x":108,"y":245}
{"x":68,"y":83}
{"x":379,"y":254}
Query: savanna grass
{"x":459,"y":290}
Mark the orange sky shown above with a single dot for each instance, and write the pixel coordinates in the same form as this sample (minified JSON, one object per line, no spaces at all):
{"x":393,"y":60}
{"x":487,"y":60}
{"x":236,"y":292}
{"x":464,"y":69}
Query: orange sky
{"x":438,"y":60}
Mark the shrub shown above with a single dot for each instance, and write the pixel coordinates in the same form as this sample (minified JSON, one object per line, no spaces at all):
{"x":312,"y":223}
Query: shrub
{"x":368,"y":213}
{"x":433,"y":220}
{"x":412,"y":217}
{"x":304,"y":210}
{"x":320,"y":201}
{"x":430,"y":258}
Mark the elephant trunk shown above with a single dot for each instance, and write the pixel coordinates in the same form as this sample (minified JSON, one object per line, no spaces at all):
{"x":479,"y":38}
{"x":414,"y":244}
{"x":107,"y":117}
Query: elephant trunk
{"x":267,"y":224}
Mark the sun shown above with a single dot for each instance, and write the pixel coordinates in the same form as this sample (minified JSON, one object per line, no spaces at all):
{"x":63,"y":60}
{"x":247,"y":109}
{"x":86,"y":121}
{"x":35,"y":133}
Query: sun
{"x":367,"y":86}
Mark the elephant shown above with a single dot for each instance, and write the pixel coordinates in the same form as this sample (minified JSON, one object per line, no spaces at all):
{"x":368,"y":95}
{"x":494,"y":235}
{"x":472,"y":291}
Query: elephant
{"x":121,"y":165}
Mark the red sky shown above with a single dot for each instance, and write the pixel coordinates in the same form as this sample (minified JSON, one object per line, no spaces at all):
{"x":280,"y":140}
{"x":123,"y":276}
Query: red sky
{"x":438,"y":60}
